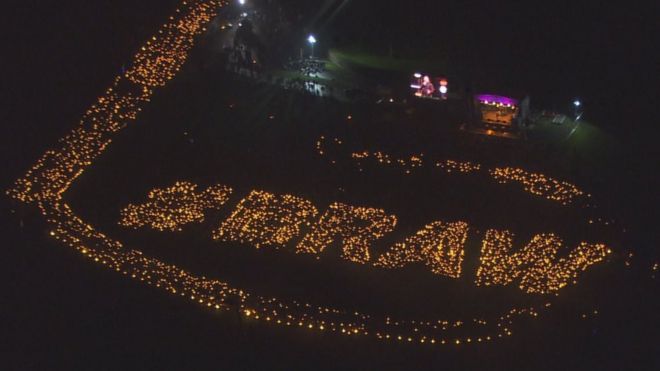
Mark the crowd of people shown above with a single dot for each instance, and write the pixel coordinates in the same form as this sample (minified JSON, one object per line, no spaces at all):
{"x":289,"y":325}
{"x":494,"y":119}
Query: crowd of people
{"x":308,"y":67}
{"x":309,"y":87}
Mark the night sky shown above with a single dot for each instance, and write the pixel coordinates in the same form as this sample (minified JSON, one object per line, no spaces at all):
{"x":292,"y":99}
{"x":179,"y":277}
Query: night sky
{"x":63,"y":313}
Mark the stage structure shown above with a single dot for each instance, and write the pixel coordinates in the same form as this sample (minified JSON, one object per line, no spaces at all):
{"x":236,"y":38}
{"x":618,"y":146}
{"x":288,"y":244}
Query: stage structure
{"x":499,"y":115}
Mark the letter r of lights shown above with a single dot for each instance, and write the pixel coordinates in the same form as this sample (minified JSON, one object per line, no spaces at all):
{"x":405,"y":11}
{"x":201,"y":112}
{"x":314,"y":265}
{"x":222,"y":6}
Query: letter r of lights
{"x":356,"y":227}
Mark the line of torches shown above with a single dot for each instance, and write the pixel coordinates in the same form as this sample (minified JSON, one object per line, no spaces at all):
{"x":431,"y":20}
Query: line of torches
{"x":537,"y":184}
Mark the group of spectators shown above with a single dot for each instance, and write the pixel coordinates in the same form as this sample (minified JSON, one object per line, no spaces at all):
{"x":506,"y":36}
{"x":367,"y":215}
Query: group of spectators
{"x":277,"y":104}
{"x":309,"y":87}
{"x":238,"y":62}
{"x":308,"y":67}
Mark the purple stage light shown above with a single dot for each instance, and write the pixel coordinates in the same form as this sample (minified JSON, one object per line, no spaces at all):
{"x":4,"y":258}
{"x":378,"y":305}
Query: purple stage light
{"x":497,"y":99}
